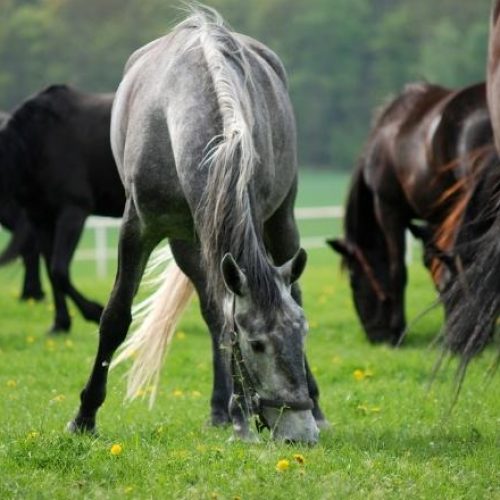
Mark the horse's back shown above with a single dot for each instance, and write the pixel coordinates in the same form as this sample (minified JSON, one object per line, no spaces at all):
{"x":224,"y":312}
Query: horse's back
{"x":71,"y":128}
{"x":167,"y":116}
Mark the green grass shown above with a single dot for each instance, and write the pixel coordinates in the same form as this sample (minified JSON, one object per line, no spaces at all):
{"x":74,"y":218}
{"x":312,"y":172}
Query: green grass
{"x":390,"y":436}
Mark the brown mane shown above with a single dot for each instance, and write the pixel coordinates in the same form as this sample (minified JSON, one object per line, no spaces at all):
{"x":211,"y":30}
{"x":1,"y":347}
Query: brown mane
{"x":454,"y":201}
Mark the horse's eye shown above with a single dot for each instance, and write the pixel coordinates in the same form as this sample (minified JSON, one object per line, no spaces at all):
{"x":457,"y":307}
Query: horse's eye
{"x":258,"y":346}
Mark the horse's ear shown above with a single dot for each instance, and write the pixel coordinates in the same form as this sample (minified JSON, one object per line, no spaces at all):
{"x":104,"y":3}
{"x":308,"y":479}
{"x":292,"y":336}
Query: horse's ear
{"x":292,"y":270}
{"x":341,"y":247}
{"x":234,"y":279}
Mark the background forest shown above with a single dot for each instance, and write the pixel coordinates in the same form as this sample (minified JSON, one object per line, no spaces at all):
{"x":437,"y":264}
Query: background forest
{"x":344,"y":57}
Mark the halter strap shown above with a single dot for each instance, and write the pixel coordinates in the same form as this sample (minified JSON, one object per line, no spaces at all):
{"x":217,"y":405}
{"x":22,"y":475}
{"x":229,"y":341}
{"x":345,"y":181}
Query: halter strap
{"x":258,"y":403}
{"x":367,"y":269}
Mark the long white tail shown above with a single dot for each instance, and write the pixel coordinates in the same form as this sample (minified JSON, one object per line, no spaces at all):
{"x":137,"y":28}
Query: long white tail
{"x":154,"y":322}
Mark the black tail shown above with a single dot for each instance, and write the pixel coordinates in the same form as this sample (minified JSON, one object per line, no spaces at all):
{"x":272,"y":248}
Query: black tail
{"x":472,"y":303}
{"x":22,"y":235}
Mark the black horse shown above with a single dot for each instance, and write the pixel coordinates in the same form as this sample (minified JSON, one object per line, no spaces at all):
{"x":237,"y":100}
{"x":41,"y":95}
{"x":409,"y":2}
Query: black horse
{"x":56,"y":162}
{"x":22,"y":244}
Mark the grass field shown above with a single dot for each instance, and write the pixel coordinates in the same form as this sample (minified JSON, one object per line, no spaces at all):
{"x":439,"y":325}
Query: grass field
{"x":391,"y":436}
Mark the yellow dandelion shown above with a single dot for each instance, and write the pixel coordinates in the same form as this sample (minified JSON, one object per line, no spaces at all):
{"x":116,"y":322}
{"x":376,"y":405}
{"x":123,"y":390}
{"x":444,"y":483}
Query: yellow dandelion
{"x":30,"y":339}
{"x":178,"y":393}
{"x":128,"y":489}
{"x":299,"y":458}
{"x":50,"y":344}
{"x":375,"y":409}
{"x":58,"y":398}
{"x":358,"y":375}
{"x":282,"y":465}
{"x":32,"y":435}
{"x":180,"y":335}
{"x":116,"y":449}
{"x":11,"y":383}
{"x":68,"y":343}
{"x":196,"y":394}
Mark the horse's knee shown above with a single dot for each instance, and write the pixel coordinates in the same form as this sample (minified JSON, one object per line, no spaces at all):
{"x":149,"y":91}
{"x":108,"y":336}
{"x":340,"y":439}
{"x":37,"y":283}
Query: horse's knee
{"x":60,"y":277}
{"x":114,"y":326}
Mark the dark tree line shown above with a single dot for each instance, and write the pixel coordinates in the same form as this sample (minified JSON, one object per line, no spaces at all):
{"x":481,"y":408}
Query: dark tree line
{"x":343,"y":56}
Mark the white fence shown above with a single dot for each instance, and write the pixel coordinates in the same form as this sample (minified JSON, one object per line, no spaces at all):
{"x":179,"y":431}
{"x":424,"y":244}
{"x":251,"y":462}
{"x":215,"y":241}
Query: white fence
{"x":102,"y":253}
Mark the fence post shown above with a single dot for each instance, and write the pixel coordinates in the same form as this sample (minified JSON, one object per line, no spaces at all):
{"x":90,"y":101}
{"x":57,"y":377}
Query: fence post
{"x":101,"y":250}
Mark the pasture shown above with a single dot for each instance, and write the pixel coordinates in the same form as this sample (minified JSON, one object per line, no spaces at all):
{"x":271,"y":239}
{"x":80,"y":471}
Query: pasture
{"x":391,"y":436}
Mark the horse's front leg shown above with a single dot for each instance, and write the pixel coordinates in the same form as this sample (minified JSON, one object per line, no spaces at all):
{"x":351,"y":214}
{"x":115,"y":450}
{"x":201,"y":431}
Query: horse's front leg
{"x":133,"y":252}
{"x":393,"y":226}
{"x":188,"y":258}
{"x":69,"y":229}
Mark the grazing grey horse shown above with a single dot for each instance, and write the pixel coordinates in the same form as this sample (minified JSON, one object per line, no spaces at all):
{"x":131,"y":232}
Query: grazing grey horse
{"x":204,"y":137}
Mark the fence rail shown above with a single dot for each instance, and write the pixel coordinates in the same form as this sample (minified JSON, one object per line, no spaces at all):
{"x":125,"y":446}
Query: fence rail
{"x":101,"y":253}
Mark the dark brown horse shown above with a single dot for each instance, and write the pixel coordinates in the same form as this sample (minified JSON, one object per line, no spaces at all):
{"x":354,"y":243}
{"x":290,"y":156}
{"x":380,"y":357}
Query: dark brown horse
{"x":408,"y":165}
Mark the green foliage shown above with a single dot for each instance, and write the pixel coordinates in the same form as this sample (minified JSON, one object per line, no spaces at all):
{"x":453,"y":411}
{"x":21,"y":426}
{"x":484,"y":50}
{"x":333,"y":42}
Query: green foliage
{"x":343,"y":56}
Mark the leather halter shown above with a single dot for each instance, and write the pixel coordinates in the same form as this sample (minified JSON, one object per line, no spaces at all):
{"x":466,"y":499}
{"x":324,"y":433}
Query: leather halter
{"x":368,"y":270}
{"x":239,"y":369}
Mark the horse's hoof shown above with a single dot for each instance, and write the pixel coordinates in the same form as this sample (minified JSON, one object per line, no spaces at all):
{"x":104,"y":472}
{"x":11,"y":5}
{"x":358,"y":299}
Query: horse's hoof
{"x":220,"y":420}
{"x":249,"y":437}
{"x":56,"y":330}
{"x":36,"y":296}
{"x":323,"y":424}
{"x":81,"y":426}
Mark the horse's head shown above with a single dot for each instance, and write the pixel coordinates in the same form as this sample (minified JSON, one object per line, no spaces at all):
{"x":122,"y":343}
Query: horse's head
{"x":268,"y":361}
{"x":381,"y":317}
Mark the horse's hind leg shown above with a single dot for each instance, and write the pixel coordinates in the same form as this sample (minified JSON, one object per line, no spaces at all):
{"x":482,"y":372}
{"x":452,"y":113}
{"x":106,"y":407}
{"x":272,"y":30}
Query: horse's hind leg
{"x":188,"y":258}
{"x":134,"y":249}
{"x":283,"y":241}
{"x":68,"y":232}
{"x":62,"y":320}
{"x":32,"y":285}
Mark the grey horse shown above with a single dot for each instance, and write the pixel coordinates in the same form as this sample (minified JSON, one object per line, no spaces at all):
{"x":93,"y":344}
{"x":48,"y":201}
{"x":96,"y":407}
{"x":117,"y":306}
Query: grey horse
{"x":204,"y":138}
